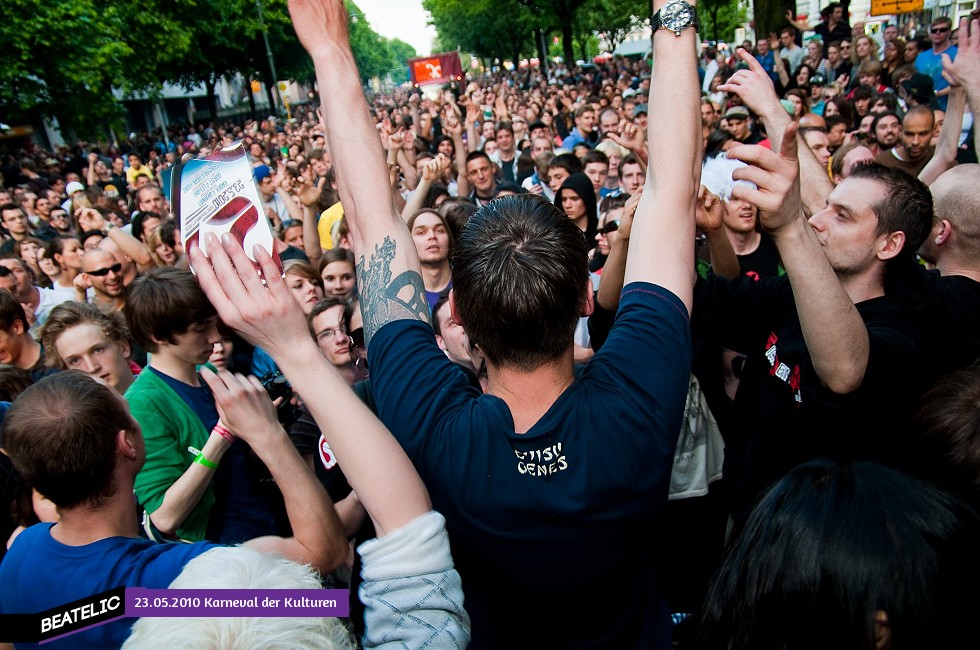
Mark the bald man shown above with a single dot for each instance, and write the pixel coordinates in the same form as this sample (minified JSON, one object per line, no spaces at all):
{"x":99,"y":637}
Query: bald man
{"x":952,"y":288}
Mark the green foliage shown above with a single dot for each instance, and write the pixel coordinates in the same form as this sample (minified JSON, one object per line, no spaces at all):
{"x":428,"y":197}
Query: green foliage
{"x":616,"y":19}
{"x":720,"y":18}
{"x":494,"y":29}
{"x":62,"y":57}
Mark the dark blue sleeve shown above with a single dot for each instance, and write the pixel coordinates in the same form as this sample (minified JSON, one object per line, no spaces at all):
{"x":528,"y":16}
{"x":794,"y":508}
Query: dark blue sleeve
{"x":414,"y":381}
{"x":646,"y":360}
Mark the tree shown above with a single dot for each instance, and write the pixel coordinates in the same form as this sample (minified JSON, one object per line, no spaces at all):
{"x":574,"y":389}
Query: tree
{"x":769,"y":16}
{"x":62,"y":58}
{"x":720,"y":18}
{"x":562,"y":12}
{"x":401,"y":52}
{"x":495,"y":29}
{"x":616,"y":19}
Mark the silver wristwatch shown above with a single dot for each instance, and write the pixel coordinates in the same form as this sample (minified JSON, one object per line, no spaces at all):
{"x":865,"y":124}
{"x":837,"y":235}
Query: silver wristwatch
{"x":676,"y":16}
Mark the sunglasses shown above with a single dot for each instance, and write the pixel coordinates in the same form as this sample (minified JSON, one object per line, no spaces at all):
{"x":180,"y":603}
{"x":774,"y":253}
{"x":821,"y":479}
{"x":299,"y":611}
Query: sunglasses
{"x":115,"y":268}
{"x":612,"y":226}
{"x":939,"y":30}
{"x":357,"y":337}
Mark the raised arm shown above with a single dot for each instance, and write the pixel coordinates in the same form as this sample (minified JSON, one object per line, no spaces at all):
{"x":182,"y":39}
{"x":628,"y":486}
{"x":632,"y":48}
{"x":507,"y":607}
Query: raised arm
{"x":318,"y":536}
{"x":827,"y":314}
{"x":665,"y":217}
{"x":949,"y":137}
{"x":757,"y":92}
{"x":388,"y":271}
{"x":268,"y":316}
{"x":965,"y":69}
{"x":431,"y":170}
{"x":92,"y":219}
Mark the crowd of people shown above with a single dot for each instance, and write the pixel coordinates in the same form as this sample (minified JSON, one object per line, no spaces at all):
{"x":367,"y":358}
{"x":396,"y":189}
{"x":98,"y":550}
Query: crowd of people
{"x":453,"y":390}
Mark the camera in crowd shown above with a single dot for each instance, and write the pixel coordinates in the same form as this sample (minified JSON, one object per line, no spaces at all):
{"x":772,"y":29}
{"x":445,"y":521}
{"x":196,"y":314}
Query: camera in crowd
{"x":276,"y":385}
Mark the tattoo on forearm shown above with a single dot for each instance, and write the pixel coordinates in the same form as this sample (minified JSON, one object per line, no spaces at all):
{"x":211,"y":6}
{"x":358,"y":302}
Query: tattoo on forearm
{"x":384,"y":299}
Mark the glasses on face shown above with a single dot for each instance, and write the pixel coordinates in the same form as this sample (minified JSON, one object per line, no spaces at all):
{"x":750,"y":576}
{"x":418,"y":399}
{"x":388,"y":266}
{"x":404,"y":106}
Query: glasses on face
{"x":611,"y":226}
{"x":330,"y":333}
{"x":939,"y":30}
{"x":5,"y":272}
{"x":115,"y":268}
{"x":59,"y":215}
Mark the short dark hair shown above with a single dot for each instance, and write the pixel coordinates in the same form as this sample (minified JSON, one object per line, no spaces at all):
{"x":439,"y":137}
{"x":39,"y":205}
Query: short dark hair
{"x":479,"y":153}
{"x":61,"y":436}
{"x":830,"y":546}
{"x":139,"y":218}
{"x":833,"y":121}
{"x":907,"y":206}
{"x":163,"y":302}
{"x":326,"y":303}
{"x":457,"y":210}
{"x":880,"y":116}
{"x":594,"y":156}
{"x":863,"y":92}
{"x":948,"y":432}
{"x":11,"y":311}
{"x":567,"y":161}
{"x":13,"y":381}
{"x":503,"y":125}
{"x":520,"y":274}
{"x":630,"y":159}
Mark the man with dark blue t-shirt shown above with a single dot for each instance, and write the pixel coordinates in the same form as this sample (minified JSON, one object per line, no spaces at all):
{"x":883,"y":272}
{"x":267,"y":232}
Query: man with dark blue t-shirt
{"x":73,"y":439}
{"x":551,"y":485}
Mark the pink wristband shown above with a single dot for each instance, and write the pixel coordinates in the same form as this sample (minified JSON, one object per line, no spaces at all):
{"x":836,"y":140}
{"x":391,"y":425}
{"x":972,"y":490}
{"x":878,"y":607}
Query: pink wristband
{"x":223,"y":432}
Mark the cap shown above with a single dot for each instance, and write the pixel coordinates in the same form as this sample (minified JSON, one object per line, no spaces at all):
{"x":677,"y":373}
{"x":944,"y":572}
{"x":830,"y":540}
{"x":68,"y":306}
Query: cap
{"x":639,"y":109}
{"x":73,"y":187}
{"x":818,"y":80}
{"x":737,"y":112}
{"x":629,"y":92}
{"x":260,"y":172}
{"x":538,"y":124}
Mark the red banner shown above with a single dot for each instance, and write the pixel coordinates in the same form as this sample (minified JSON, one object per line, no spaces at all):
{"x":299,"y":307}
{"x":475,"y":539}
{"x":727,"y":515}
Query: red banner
{"x":438,"y":68}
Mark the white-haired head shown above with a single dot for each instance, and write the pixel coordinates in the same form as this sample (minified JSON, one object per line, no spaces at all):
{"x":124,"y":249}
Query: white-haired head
{"x":236,"y":567}
{"x":716,"y":176}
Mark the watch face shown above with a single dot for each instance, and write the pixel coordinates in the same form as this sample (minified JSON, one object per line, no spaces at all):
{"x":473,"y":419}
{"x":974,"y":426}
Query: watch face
{"x":675,"y":16}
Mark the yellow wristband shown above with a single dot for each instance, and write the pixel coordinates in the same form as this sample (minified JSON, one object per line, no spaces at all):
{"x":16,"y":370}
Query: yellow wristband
{"x":201,"y":460}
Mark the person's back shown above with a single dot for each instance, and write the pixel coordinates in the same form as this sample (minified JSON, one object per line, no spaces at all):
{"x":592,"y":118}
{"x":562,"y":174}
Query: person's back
{"x":540,"y":503}
{"x":601,"y":494}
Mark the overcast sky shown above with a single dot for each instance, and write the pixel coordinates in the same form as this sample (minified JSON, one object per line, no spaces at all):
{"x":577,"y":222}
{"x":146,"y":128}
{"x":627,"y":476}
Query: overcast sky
{"x":404,"y":19}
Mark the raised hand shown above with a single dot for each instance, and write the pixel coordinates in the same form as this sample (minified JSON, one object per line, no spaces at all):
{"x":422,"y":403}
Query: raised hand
{"x":708,"y":211}
{"x":90,"y":219}
{"x":314,"y":18}
{"x":754,"y":86}
{"x":777,"y":180}
{"x":965,"y":69}
{"x":257,"y":305}
{"x":243,"y":404}
{"x":629,"y":211}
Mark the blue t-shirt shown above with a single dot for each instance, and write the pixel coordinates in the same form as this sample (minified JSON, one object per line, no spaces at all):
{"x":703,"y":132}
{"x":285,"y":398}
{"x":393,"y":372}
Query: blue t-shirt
{"x":546,"y":521}
{"x":931,"y":65}
{"x":39,"y":573}
{"x":240,"y":512}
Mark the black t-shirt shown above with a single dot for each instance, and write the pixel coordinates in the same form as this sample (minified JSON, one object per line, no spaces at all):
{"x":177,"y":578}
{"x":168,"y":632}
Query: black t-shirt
{"x":115,"y":187}
{"x":783,"y":414}
{"x":763,"y":262}
{"x":951,"y":318}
